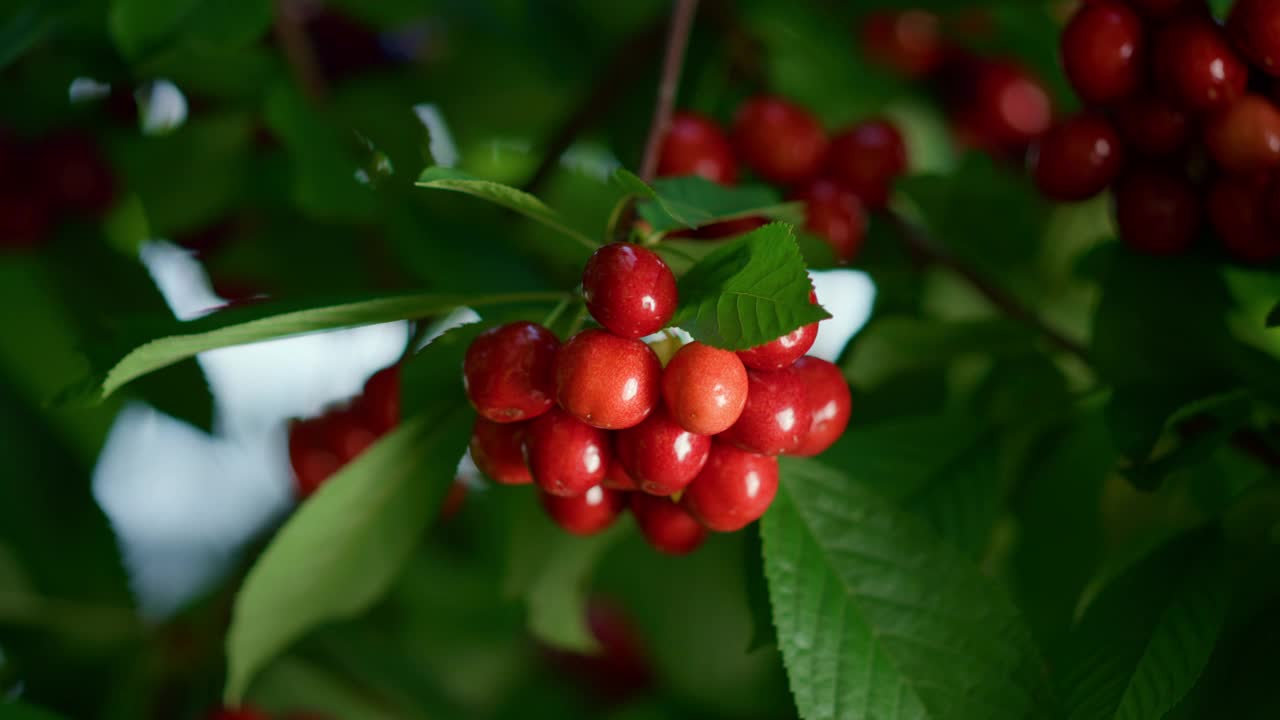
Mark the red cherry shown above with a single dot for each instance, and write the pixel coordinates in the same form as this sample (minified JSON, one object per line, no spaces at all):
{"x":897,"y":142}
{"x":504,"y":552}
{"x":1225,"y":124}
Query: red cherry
{"x":660,"y":455}
{"x":1238,"y":211}
{"x":25,"y":220}
{"x":379,"y":403}
{"x":453,"y":502}
{"x":1077,"y":159}
{"x":509,"y":371}
{"x":695,"y":145}
{"x":243,"y":713}
{"x":1152,"y":126}
{"x":834,"y":214}
{"x":1245,"y":135}
{"x":781,"y":352}
{"x":566,"y":456}
{"x":830,"y":404}
{"x":607,"y":381}
{"x":908,"y":41}
{"x":1197,"y":66}
{"x":1102,"y":51}
{"x":585,"y":514}
{"x":777,"y":416}
{"x":728,"y":228}
{"x":629,"y":290}
{"x":665,"y":525}
{"x":1254,"y":25}
{"x":345,"y":436}
{"x":733,"y":490}
{"x":704,"y":388}
{"x":74,"y":174}
{"x":498,"y":450}
{"x":1168,"y":9}
{"x":781,"y":141}
{"x":1005,"y":107}
{"x":1157,"y":211}
{"x":866,"y":159}
{"x":616,"y":477}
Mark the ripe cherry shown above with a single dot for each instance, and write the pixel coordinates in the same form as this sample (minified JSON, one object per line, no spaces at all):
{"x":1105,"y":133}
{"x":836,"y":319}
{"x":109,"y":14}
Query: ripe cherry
{"x":733,"y":490}
{"x":566,"y":456}
{"x":777,"y":416}
{"x":866,"y":159}
{"x":629,"y":290}
{"x":1254,"y":25}
{"x":695,"y":145}
{"x":1102,"y":51}
{"x":728,"y":228}
{"x":617,"y":478}
{"x":498,"y":450}
{"x":312,"y":467}
{"x":509,"y":372}
{"x":25,"y":219}
{"x":1238,"y":211}
{"x":243,"y":713}
{"x":1077,"y":159}
{"x":830,"y":404}
{"x":379,"y":403}
{"x":781,"y":352}
{"x":781,"y":141}
{"x":704,"y":388}
{"x":74,"y":174}
{"x":607,"y":381}
{"x":585,"y":514}
{"x":1169,"y":9}
{"x":1245,"y":135}
{"x":1006,"y":107}
{"x":660,"y":455}
{"x":345,"y":435}
{"x":665,"y":525}
{"x":1197,"y":66}
{"x":908,"y":41}
{"x":454,"y":500}
{"x":835,"y":214}
{"x":1157,"y":210}
{"x":1151,"y":125}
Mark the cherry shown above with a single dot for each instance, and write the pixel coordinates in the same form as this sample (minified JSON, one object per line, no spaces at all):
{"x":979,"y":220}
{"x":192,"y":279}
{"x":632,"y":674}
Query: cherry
{"x":345,"y":436}
{"x":312,"y":467}
{"x":830,"y":403}
{"x":704,"y":388}
{"x":728,"y":228}
{"x":621,"y":668}
{"x":1157,"y":210}
{"x":1077,"y":159}
{"x":453,"y":502}
{"x":566,"y":456}
{"x":1254,"y":25}
{"x":695,"y":145}
{"x":836,"y":215}
{"x":25,"y":220}
{"x":74,"y":174}
{"x":1167,"y":9}
{"x":629,"y":290}
{"x":1102,"y":51}
{"x":616,"y":477}
{"x":607,"y":381}
{"x":1152,"y":126}
{"x":1245,"y":135}
{"x":1238,"y":211}
{"x":908,"y":41}
{"x":665,"y":525}
{"x":379,"y":403}
{"x":1007,"y":108}
{"x":585,"y":514}
{"x":733,"y":490}
{"x":343,"y":44}
{"x":781,"y":141}
{"x":777,"y":415}
{"x":660,"y":455}
{"x":509,"y":371}
{"x":866,"y":159}
{"x":498,"y":450}
{"x":242,"y":713}
{"x":781,"y":352}
{"x":1197,"y":66}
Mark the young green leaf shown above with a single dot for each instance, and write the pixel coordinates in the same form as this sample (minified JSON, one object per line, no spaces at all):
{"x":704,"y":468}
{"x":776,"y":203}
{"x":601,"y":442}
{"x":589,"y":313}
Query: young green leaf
{"x":509,"y":197}
{"x":693,"y":201}
{"x":876,"y":619}
{"x":748,"y":292}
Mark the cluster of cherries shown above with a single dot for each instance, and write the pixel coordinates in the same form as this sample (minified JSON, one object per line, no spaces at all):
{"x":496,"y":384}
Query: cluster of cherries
{"x":320,"y":446}
{"x":598,"y":423}
{"x":47,"y":178}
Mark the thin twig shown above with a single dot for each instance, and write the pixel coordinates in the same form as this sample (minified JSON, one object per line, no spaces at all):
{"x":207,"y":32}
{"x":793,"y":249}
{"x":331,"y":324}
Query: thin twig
{"x":298,"y":51}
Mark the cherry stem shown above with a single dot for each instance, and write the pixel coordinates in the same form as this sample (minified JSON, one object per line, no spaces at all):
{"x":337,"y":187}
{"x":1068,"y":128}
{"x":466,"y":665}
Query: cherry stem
{"x":298,"y":50}
{"x":578,"y":320}
{"x":556,"y":312}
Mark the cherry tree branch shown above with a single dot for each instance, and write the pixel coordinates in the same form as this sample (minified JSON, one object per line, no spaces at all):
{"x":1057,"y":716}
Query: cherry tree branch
{"x":668,"y":85}
{"x":298,"y":51}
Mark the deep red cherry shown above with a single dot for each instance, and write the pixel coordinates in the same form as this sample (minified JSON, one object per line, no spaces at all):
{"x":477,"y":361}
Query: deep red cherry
{"x":1169,"y":9}
{"x":617,"y":478}
{"x":607,"y":381}
{"x":566,"y":456}
{"x":733,"y":490}
{"x":728,"y":228}
{"x":777,"y":416}
{"x":695,"y":145}
{"x":454,"y":500}
{"x":1151,"y":125}
{"x":242,"y":713}
{"x":509,"y":371}
{"x":781,"y":141}
{"x":660,"y":455}
{"x":1196,"y":65}
{"x":25,"y":220}
{"x":585,"y":514}
{"x":1238,"y":211}
{"x":1003,"y":106}
{"x":1245,"y":135}
{"x":345,"y":435}
{"x":908,"y":41}
{"x":312,"y":467}
{"x":1157,"y":210}
{"x":1077,"y":159}
{"x":1254,"y":25}
{"x":629,"y":290}
{"x":74,"y":174}
{"x":498,"y":450}
{"x":781,"y":352}
{"x":835,"y":214}
{"x":1102,"y":51}
{"x":866,"y":159}
{"x":379,"y":403}
{"x":665,"y":525}
{"x":705,"y":388}
{"x":830,"y":404}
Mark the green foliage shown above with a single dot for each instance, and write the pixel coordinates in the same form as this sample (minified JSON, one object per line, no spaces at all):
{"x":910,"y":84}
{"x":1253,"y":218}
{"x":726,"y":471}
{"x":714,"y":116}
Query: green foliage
{"x":694,"y":201}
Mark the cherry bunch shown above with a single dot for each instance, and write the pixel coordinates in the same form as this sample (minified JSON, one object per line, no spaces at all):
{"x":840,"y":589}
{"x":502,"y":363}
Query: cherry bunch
{"x":44,"y":179}
{"x":1176,"y":103}
{"x":600,"y":425}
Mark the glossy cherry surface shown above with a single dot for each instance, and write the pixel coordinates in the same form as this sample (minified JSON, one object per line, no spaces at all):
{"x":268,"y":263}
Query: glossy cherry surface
{"x":1077,"y":159}
{"x":908,"y":41}
{"x":585,"y":514}
{"x":566,"y":456}
{"x":777,"y":416}
{"x":1157,"y":210}
{"x":830,"y":404}
{"x":629,"y":290}
{"x":835,"y":214}
{"x":1151,"y":125}
{"x":781,"y":352}
{"x":1196,"y":65}
{"x":866,"y":159}
{"x":660,"y":455}
{"x":617,"y":478}
{"x":705,"y":388}
{"x":498,"y":450}
{"x":509,"y":372}
{"x":1102,"y":51}
{"x":607,"y":381}
{"x":733,"y":490}
{"x":665,"y":525}
{"x":1241,"y":220}
{"x":1254,"y":25}
{"x":1245,"y":135}
{"x":780,"y":140}
{"x":695,"y":145}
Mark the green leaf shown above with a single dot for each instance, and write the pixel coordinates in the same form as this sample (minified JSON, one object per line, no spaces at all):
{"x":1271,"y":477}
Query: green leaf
{"x":1273,"y":317}
{"x":293,"y":683}
{"x":29,"y":25}
{"x":893,"y":345}
{"x":443,"y":178}
{"x":345,"y":545}
{"x":140,"y":27}
{"x":1144,"y":642}
{"x":748,"y":292}
{"x":877,"y":620}
{"x":693,"y":201}
{"x":23,"y":711}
